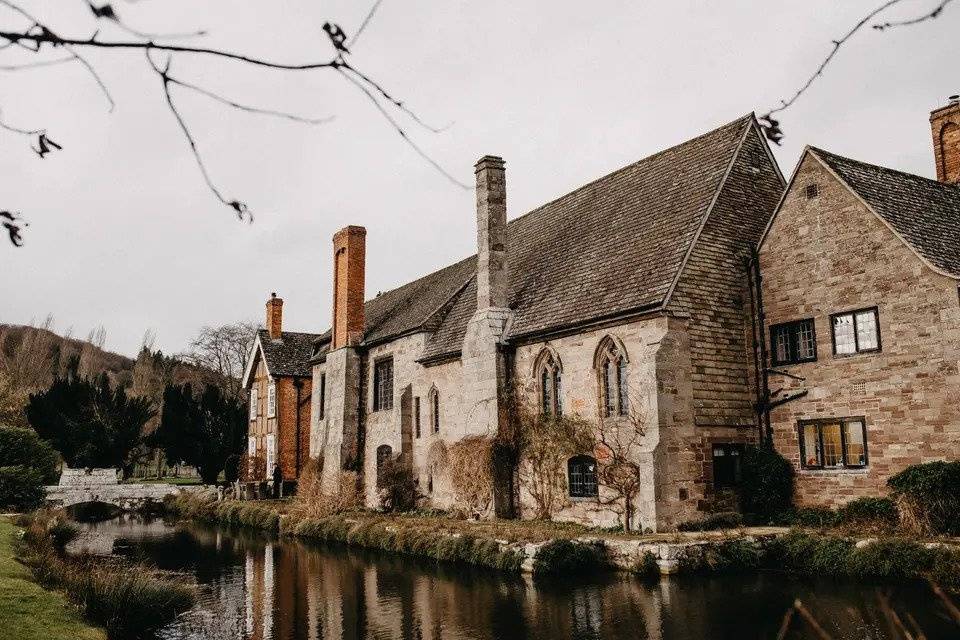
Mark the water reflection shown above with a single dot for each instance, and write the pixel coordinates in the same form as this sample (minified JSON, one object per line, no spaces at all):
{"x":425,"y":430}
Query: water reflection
{"x":257,"y":588}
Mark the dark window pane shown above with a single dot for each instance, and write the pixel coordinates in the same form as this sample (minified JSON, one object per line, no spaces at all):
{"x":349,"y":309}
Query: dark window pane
{"x":622,"y":386}
{"x":546,"y":391}
{"x":557,"y":392}
{"x":726,"y":465}
{"x":383,"y":385}
{"x":582,"y":477}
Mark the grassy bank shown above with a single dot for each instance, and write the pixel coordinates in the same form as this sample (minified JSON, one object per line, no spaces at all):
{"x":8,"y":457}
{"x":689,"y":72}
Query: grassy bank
{"x":127,"y":599}
{"x":27,"y":610}
{"x":559,"y":549}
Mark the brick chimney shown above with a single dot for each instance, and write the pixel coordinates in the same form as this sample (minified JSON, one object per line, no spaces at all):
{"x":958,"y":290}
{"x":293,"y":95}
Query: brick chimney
{"x":945,"y":126}
{"x":491,"y":233}
{"x":274,"y":316}
{"x":349,"y":266}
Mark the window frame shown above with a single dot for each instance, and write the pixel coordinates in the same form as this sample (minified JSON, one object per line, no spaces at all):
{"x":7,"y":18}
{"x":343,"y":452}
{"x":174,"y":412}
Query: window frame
{"x":254,"y":401}
{"x":416,"y":416}
{"x":791,"y":326}
{"x":382,"y":401}
{"x":856,"y":339}
{"x":323,"y":396}
{"x":582,"y":459}
{"x":435,"y":410}
{"x":272,"y":400}
{"x":550,"y":381}
{"x":612,"y":379}
{"x":843,"y":422}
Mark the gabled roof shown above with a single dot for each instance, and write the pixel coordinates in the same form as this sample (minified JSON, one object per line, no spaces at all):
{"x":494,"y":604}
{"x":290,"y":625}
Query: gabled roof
{"x":925,"y":213}
{"x":612,"y":247}
{"x":288,"y":355}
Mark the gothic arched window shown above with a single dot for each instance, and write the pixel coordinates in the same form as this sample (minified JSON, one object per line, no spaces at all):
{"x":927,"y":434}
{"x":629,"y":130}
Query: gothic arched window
{"x":611,"y":366}
{"x":548,"y":375}
{"x":582,"y":477}
{"x":435,"y":409}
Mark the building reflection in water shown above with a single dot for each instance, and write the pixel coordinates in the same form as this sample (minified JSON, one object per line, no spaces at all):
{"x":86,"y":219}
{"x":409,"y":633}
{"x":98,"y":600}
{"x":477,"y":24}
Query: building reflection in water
{"x":256,"y":589}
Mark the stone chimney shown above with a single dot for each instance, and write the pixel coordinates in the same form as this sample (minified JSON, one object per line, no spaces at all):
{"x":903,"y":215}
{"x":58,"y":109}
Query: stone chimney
{"x":945,"y":125}
{"x":274,"y":316}
{"x":491,"y":233}
{"x":349,"y":266}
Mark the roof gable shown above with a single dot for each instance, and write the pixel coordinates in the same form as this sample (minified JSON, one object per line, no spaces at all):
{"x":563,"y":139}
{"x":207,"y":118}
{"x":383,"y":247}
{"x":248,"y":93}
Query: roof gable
{"x":288,"y":355}
{"x":923,"y":213}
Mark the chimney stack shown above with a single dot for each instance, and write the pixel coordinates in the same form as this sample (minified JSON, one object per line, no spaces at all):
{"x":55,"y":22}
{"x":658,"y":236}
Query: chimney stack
{"x":945,"y":126}
{"x":274,"y":316}
{"x":349,"y":267}
{"x":491,"y":233}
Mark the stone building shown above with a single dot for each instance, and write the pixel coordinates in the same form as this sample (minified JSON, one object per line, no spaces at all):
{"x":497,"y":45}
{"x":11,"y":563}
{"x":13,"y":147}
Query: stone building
{"x":277,"y":381}
{"x":860,"y":269}
{"x":623,"y":302}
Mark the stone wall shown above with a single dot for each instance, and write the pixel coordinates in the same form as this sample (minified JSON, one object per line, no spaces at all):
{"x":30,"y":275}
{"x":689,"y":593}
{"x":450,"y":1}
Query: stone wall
{"x":830,"y":254}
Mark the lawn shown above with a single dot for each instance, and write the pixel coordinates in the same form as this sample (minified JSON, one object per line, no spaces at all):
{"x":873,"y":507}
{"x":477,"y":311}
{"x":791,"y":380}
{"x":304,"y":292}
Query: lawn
{"x":27,"y":610}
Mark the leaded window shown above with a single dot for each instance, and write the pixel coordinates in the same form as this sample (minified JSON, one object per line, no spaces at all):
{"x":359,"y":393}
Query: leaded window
{"x":793,"y":342}
{"x":383,"y":384}
{"x":435,"y":410}
{"x":549,"y":381}
{"x":582,"y":477}
{"x":856,"y":332}
{"x":612,"y":371}
{"x":833,"y":443}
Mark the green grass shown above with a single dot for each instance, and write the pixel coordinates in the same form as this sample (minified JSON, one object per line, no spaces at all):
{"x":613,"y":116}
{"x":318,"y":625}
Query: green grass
{"x":29,"y":612}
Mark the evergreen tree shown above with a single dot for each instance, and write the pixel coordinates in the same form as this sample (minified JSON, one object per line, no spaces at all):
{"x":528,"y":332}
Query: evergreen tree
{"x":201,"y":430}
{"x":90,"y":424}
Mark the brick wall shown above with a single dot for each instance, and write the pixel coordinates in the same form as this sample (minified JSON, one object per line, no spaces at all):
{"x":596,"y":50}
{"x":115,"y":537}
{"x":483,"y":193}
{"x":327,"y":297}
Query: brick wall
{"x":830,"y":254}
{"x":945,"y":126}
{"x":349,"y":272}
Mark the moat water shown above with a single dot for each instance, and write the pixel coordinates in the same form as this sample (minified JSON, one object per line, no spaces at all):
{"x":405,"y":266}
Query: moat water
{"x":255,"y":587}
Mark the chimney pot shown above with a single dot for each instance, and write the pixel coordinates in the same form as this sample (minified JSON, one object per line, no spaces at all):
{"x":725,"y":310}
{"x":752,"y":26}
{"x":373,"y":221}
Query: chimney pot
{"x":349,"y":272}
{"x":274,"y":316}
{"x":491,"y":232}
{"x":945,"y":127}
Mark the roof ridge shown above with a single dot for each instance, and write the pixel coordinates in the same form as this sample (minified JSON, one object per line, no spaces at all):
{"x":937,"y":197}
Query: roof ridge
{"x":748,"y":116}
{"x":907,"y":174}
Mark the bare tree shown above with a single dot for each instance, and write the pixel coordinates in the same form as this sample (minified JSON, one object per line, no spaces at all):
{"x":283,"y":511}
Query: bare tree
{"x":225,"y":350}
{"x":620,"y":445}
{"x":24,"y":33}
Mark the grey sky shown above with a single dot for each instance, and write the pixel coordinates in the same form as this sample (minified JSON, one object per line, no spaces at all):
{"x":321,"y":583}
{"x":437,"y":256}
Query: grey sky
{"x":124,"y":233}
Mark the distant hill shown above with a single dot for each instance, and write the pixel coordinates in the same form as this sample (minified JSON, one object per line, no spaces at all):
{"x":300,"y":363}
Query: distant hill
{"x":33,"y":356}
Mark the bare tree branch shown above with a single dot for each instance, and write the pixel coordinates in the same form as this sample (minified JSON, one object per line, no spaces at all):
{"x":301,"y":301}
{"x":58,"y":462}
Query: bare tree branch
{"x":107,"y":12}
{"x":34,"y":65}
{"x":399,"y":129}
{"x":906,"y":23}
{"x":771,"y":126}
{"x":366,"y":21}
{"x":397,"y":103}
{"x":239,"y":208}
{"x":243,"y":107}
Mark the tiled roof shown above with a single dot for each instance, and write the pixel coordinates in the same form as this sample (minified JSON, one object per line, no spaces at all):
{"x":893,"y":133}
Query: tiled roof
{"x":926,"y":213}
{"x":290,"y":354}
{"x":613,"y":246}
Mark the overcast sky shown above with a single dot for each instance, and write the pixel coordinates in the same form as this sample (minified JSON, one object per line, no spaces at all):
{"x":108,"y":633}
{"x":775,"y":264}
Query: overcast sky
{"x":124,"y":234}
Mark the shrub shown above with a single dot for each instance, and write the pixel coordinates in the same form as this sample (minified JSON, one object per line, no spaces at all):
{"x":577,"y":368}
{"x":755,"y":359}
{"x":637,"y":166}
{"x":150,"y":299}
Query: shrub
{"x":568,"y":557}
{"x":647,"y":567}
{"x":23,"y":447}
{"x":21,"y":488}
{"x":869,"y":510}
{"x":928,"y":496}
{"x":723,"y":520}
{"x":396,"y":486}
{"x":314,"y":501}
{"x":766,"y":486}
{"x":812,"y":517}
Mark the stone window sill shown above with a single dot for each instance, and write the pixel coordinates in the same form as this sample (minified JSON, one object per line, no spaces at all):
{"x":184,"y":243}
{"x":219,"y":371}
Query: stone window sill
{"x":857,"y":471}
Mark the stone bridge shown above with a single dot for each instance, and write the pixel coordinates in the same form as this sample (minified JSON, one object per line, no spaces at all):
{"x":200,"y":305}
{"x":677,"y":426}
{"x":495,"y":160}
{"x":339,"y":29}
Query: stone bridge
{"x":78,"y":486}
